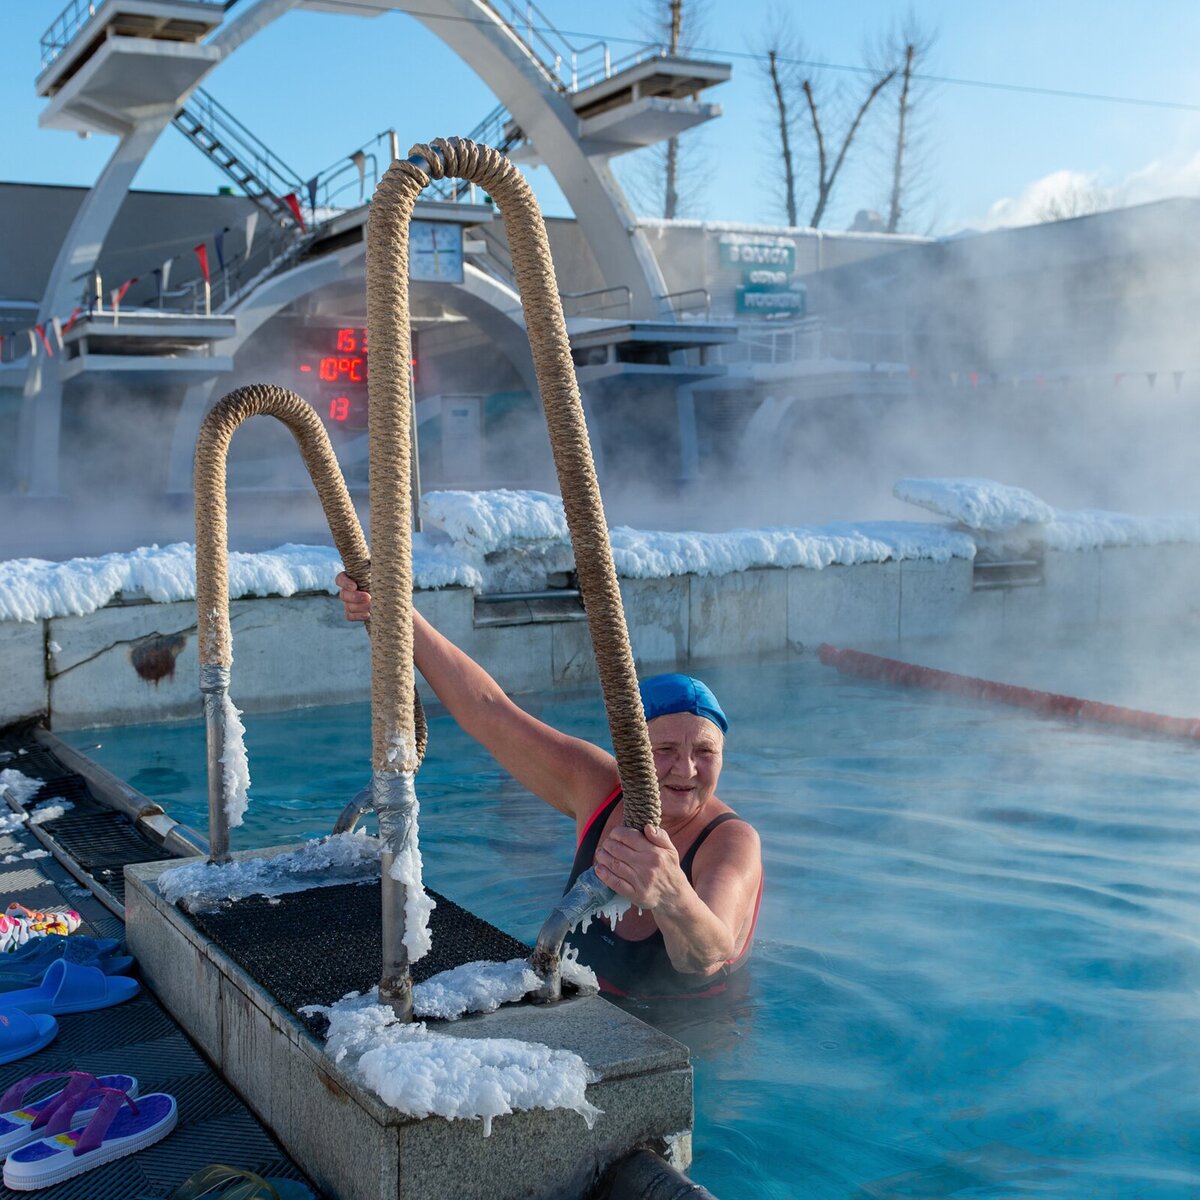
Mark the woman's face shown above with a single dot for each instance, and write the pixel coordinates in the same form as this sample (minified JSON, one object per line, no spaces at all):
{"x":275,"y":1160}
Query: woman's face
{"x":687,"y":760}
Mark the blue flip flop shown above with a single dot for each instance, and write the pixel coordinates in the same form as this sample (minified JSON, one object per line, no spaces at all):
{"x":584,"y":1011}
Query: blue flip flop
{"x":24,"y":975}
{"x":22,"y":1034}
{"x":78,"y":948}
{"x":70,"y":988}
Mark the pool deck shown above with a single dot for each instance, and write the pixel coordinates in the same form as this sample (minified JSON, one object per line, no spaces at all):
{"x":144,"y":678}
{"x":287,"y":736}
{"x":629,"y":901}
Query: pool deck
{"x":247,"y":1067}
{"x":138,"y":1037}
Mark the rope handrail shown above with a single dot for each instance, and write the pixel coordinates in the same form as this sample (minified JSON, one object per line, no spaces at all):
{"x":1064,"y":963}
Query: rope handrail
{"x":389,"y":436}
{"x":214,"y":634}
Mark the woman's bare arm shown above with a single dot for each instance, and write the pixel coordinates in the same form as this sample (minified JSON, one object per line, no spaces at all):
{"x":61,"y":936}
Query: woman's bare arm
{"x":567,"y":772}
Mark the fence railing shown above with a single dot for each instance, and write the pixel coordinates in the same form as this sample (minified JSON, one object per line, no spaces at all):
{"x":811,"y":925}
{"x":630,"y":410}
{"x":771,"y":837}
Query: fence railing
{"x":74,"y":17}
{"x":579,"y":304}
{"x":567,"y":66}
{"x":811,"y":340}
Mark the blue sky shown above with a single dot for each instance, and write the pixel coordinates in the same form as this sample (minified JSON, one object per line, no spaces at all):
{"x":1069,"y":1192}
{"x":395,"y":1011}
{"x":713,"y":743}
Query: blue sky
{"x":315,"y":86}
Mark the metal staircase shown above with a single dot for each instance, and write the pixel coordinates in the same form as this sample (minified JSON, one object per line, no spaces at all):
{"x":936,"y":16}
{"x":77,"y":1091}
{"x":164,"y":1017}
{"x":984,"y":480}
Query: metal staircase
{"x":244,"y":158}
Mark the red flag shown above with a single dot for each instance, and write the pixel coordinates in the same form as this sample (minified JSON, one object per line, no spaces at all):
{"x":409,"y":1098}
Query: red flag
{"x":72,"y":319}
{"x":202,"y":255}
{"x":293,"y":202}
{"x":119,"y":293}
{"x":41,"y":332}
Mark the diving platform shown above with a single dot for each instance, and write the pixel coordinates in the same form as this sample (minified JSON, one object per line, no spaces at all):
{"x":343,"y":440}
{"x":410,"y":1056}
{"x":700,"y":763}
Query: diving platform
{"x":646,"y":103}
{"x":104,"y":62}
{"x":163,"y":343}
{"x":659,"y":351}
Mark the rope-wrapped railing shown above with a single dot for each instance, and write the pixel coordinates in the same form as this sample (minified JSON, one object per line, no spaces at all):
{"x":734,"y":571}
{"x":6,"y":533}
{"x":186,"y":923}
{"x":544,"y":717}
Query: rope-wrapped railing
{"x":390,"y":449}
{"x":212,"y":559}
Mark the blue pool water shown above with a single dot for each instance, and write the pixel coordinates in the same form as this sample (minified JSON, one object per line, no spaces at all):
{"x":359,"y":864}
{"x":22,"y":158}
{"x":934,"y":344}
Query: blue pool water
{"x":977,"y":971}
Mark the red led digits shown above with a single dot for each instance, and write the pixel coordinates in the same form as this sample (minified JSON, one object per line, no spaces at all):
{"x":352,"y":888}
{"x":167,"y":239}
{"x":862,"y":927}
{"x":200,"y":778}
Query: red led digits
{"x":339,"y":408}
{"x":335,"y":368}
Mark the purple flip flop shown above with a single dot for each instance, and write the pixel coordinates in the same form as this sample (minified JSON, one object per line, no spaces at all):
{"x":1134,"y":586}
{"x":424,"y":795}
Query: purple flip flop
{"x":119,"y":1126}
{"x":69,"y":987}
{"x":21,"y":1122}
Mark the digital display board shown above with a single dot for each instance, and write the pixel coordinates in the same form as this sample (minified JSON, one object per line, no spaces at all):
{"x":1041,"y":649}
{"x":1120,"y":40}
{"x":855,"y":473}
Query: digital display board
{"x":333,"y":373}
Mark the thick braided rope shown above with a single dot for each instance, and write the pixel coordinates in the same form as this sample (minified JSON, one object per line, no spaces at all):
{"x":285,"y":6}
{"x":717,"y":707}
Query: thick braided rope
{"x":212,"y":524}
{"x":534,"y":269}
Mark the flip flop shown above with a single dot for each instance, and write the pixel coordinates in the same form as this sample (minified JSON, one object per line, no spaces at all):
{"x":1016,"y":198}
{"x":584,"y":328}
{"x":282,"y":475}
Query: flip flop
{"x":22,"y":1034}
{"x":119,"y":1126}
{"x":70,"y":988}
{"x":212,"y":1181}
{"x":79,"y":948}
{"x":21,"y":1123}
{"x":23,"y":975}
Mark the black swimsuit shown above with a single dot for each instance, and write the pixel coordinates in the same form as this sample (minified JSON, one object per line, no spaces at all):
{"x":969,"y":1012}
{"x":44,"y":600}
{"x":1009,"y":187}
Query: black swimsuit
{"x":642,"y":968}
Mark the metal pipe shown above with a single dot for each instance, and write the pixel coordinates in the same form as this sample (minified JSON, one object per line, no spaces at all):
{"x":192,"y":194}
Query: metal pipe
{"x":643,"y":1175}
{"x":395,"y":801}
{"x":354,"y":810}
{"x":214,"y":686}
{"x":586,"y":897}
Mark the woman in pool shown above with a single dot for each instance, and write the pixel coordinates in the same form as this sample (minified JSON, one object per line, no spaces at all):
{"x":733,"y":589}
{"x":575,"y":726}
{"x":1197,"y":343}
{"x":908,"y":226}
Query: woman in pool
{"x":697,"y":879}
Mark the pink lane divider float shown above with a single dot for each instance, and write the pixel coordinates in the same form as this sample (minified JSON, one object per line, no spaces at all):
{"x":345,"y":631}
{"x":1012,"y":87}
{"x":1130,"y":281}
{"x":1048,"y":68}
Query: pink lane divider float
{"x":1049,"y":704}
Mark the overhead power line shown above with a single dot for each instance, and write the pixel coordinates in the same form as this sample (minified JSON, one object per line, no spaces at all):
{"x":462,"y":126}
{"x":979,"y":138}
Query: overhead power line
{"x":816,"y":64}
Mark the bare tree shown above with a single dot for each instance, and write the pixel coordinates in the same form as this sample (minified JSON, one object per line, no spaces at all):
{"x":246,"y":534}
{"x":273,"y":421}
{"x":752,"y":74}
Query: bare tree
{"x":668,"y":178}
{"x":906,"y":48}
{"x":826,"y":174}
{"x":779,"y":52}
{"x":1077,"y":197}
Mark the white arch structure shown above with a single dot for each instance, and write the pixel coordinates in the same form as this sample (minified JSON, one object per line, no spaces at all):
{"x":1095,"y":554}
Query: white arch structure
{"x":477,"y":34}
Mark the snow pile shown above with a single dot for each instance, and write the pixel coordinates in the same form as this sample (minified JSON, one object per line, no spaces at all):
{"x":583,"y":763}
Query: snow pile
{"x":514,"y":539}
{"x":475,"y":987}
{"x":21,"y":787}
{"x":486,"y":522}
{"x":1088,"y":530}
{"x":639,"y":554}
{"x":976,"y":503}
{"x":32,"y":588}
{"x":421,"y":1072}
{"x":51,"y":812}
{"x":321,"y":862}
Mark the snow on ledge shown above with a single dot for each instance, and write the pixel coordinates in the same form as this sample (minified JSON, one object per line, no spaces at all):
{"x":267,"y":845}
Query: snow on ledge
{"x":976,"y":503}
{"x":469,"y":533}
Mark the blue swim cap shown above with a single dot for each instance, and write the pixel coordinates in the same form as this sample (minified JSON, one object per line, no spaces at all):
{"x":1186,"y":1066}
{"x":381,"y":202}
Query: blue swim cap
{"x":663,"y":694}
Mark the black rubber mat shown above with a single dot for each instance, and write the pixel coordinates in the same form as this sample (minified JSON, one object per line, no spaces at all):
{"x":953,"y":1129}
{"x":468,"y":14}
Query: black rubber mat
{"x":137,"y":1037}
{"x":313,"y":947}
{"x":99,"y":839}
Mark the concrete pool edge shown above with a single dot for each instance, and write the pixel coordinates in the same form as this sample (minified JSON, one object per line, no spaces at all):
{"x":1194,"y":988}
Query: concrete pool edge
{"x":134,"y":663}
{"x":358,"y":1148}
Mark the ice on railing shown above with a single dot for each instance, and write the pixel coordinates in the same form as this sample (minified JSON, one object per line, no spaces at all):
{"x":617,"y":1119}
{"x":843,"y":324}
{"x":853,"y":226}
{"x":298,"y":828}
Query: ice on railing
{"x":321,"y":862}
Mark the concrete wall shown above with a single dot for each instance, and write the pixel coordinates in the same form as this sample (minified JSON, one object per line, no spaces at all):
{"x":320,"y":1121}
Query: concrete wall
{"x":138,"y":663}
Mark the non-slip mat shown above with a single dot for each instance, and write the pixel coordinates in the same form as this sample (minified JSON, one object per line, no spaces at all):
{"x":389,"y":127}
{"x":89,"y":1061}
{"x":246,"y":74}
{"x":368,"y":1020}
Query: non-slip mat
{"x":137,"y":1037}
{"x":313,"y":947}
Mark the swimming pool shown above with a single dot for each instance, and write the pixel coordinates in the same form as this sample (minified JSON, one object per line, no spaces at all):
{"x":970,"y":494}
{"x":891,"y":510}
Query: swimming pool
{"x":977,"y":970}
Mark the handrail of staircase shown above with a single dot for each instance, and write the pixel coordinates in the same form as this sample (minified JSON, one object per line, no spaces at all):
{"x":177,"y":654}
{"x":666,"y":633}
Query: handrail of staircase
{"x":627,"y":299}
{"x":266,"y":164}
{"x":675,"y":297}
